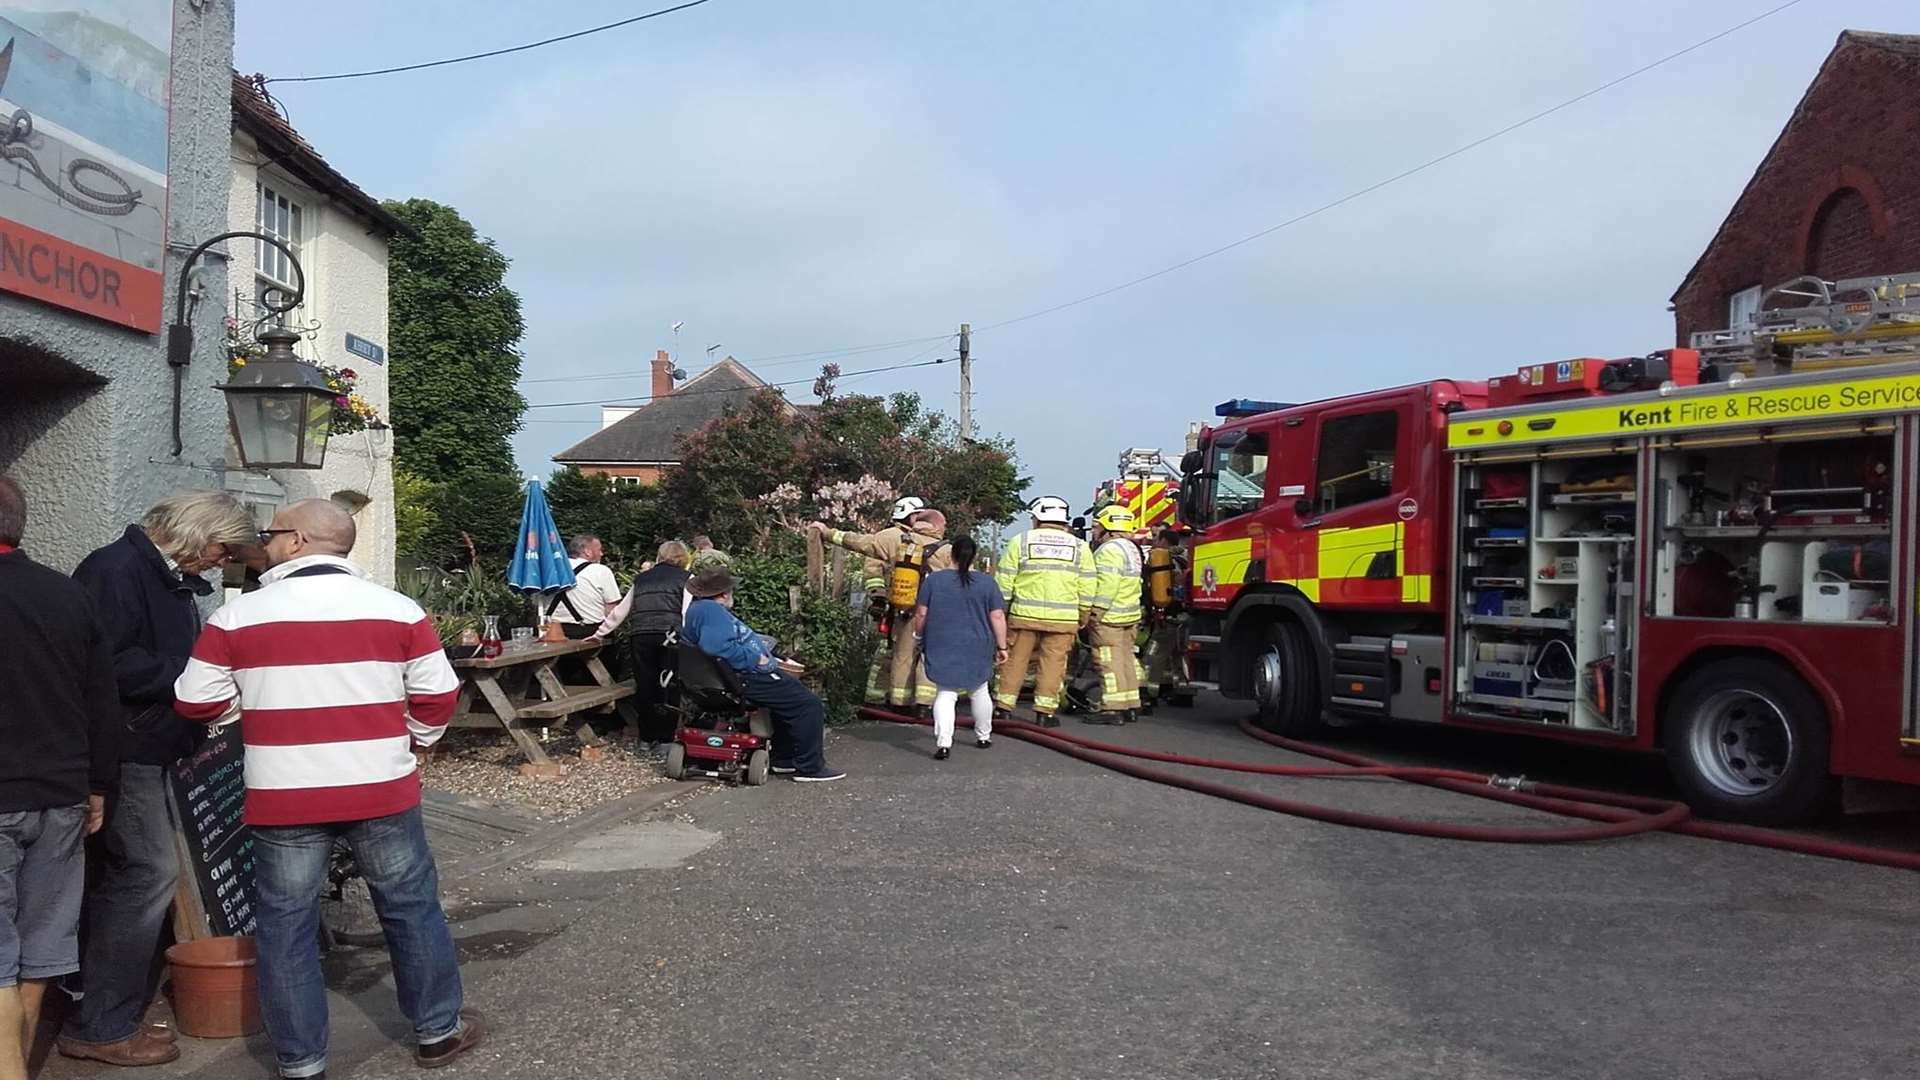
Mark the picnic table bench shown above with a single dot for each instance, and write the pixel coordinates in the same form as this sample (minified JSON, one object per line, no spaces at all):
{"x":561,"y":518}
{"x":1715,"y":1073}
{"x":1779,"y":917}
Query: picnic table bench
{"x":521,"y":691}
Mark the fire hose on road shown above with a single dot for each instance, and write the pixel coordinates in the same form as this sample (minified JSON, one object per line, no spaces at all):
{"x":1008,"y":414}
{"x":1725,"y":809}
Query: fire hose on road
{"x":1620,"y":815}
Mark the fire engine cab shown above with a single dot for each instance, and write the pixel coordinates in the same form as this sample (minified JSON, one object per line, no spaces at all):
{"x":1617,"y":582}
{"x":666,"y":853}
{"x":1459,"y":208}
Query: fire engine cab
{"x":1707,"y":551}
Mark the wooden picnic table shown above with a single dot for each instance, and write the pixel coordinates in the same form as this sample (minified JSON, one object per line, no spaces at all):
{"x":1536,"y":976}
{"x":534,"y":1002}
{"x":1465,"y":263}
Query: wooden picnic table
{"x":521,"y":691}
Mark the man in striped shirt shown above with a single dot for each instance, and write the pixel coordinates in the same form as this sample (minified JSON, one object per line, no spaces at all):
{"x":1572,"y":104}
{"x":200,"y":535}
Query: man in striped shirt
{"x":336,"y":680}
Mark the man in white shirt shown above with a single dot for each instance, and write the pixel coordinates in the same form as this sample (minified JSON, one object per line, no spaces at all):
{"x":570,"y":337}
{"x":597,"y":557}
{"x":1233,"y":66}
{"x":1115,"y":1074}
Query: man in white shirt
{"x":581,"y":609}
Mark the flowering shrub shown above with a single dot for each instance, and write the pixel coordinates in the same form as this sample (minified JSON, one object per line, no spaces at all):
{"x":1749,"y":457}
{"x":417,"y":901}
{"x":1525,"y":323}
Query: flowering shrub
{"x":862,"y":503}
{"x":351,"y":412}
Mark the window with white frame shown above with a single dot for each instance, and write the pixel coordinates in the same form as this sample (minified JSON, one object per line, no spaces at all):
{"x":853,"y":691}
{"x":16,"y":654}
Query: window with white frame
{"x":279,"y":216}
{"x":1742,"y":307}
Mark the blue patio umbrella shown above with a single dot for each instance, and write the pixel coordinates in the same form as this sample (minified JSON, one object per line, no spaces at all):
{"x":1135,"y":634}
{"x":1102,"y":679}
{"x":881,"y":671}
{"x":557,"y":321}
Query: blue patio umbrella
{"x":540,"y":562}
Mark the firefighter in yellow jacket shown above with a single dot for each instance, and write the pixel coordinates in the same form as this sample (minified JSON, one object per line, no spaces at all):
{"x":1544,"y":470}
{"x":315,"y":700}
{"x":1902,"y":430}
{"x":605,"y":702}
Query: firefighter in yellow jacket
{"x":910,"y":550}
{"x":1048,"y":578}
{"x":1114,"y":622}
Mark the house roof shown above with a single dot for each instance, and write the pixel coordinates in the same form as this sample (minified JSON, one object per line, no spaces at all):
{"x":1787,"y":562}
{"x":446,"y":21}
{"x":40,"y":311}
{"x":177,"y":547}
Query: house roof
{"x":651,"y":434}
{"x":254,"y":114}
{"x":1905,"y":46}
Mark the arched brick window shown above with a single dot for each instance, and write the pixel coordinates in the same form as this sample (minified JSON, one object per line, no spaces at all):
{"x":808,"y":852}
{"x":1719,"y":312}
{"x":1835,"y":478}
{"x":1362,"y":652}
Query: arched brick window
{"x":1840,"y":239}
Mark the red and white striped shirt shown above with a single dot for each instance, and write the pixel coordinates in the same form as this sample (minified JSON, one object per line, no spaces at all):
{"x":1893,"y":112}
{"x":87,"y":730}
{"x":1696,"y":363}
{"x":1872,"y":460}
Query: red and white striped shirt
{"x":336,"y":679}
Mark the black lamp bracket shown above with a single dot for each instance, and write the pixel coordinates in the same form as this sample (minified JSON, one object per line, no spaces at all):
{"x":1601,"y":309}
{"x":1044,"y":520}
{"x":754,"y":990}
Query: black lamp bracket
{"x":180,"y":334}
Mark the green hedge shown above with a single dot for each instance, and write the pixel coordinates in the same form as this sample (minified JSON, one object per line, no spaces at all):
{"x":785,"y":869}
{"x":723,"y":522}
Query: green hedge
{"x":835,"y":642}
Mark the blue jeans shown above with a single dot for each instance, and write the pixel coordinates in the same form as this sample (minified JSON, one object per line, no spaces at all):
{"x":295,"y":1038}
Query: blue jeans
{"x":290,"y":863}
{"x":127,"y":907}
{"x":42,"y":872}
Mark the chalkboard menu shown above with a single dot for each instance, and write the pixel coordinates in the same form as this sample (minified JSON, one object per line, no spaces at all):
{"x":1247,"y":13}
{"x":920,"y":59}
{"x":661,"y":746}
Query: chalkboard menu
{"x":209,"y":795}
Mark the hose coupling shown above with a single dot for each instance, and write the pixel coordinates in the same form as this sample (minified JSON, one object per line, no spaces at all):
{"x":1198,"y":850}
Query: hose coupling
{"x":1510,"y":783}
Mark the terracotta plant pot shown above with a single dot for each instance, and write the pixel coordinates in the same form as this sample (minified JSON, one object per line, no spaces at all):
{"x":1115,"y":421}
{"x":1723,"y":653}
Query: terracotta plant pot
{"x":216,"y":988}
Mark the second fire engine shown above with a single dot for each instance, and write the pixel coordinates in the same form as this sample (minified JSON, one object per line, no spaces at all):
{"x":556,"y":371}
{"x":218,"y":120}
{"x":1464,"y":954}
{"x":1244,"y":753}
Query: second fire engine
{"x":1707,"y":551}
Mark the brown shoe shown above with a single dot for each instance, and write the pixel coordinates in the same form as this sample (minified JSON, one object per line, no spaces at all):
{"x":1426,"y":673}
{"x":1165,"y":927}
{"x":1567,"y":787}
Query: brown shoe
{"x":141,"y":1049}
{"x":162,"y":1032}
{"x":448,"y":1050}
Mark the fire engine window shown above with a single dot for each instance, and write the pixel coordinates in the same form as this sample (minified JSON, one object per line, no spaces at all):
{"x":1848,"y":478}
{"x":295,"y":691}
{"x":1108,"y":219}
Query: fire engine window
{"x":1356,"y":459}
{"x":1240,"y":476}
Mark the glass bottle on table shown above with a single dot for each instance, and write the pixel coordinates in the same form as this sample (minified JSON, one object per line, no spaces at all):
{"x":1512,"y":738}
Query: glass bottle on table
{"x":490,"y":637}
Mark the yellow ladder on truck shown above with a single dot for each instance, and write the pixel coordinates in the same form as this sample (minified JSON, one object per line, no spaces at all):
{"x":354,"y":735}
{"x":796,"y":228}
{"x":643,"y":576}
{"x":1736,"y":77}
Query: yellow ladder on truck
{"x":1820,"y":325}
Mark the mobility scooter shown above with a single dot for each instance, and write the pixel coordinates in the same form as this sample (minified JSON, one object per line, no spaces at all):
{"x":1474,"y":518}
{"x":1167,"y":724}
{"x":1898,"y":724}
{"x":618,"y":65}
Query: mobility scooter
{"x":719,"y":734}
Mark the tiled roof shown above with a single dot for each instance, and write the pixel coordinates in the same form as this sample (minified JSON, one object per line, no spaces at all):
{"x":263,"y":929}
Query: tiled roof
{"x":255,"y":115}
{"x":651,"y":434}
{"x":1907,"y":45}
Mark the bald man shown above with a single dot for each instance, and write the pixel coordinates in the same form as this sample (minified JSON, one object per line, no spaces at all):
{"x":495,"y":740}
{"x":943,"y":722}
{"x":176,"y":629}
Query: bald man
{"x":337,"y":680}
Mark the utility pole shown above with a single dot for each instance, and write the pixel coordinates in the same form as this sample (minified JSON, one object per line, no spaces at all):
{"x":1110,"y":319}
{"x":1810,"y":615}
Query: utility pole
{"x":966,"y":382}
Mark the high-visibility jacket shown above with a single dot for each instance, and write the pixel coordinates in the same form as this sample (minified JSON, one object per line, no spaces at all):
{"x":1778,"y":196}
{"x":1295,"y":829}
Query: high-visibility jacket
{"x":1047,"y":574}
{"x":1117,"y":591}
{"x":886,"y":546}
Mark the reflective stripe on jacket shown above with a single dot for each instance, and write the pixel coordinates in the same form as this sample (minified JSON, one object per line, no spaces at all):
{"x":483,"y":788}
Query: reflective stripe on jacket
{"x":1118,"y":590}
{"x":1047,"y":574}
{"x":885,"y":546}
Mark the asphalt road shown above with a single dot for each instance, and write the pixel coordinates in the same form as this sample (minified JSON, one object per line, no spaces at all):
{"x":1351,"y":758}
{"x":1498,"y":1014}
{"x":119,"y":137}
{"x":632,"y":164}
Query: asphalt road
{"x":1013,"y":913}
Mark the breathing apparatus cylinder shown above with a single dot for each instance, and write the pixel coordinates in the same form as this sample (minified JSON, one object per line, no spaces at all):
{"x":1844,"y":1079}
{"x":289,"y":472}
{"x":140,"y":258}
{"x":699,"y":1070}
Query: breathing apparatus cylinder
{"x":1159,"y":577}
{"x":903,"y":584}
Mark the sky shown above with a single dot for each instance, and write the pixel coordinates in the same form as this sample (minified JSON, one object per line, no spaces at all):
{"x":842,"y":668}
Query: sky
{"x":792,"y":176}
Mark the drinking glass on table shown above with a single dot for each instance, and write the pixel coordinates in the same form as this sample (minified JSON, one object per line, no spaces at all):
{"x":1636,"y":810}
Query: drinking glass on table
{"x":522,"y":638}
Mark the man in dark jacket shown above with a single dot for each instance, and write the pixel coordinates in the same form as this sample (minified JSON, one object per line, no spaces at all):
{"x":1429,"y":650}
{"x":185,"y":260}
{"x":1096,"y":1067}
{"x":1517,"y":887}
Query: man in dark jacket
{"x":651,"y":610}
{"x":145,"y":588}
{"x":60,"y":729}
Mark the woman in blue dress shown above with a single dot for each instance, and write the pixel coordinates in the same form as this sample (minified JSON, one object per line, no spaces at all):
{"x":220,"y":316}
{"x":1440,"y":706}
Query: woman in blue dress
{"x":961,"y":622}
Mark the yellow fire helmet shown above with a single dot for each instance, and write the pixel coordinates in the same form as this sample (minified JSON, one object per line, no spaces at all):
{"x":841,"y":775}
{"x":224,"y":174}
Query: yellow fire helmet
{"x":1114,"y":518}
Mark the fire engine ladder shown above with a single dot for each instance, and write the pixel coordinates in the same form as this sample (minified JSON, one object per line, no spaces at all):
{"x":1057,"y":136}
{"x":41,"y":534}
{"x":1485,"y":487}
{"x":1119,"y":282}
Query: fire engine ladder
{"x":1145,"y":463}
{"x":1853,"y":322}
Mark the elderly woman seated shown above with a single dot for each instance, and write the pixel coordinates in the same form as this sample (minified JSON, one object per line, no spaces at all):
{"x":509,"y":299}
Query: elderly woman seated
{"x":799,"y":719}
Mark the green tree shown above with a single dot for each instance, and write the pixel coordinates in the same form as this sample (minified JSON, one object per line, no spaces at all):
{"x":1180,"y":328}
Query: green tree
{"x":416,"y":512}
{"x":456,"y":330}
{"x":441,"y":517}
{"x":632,"y":519}
{"x":732,"y":463}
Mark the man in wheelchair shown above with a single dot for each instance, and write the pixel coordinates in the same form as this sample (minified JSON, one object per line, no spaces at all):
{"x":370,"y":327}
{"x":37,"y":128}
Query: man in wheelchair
{"x":799,"y":719}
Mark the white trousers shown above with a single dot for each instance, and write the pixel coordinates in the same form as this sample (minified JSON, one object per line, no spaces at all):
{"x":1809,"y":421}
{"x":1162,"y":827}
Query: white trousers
{"x":943,"y":703}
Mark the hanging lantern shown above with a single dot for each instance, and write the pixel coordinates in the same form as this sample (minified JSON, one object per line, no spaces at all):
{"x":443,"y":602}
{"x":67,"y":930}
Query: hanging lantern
{"x":280,"y":408}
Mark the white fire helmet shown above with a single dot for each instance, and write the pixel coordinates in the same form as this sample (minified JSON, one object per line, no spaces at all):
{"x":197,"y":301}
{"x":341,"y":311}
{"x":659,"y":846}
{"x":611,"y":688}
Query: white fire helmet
{"x":1049,"y":510}
{"x":907,"y":507}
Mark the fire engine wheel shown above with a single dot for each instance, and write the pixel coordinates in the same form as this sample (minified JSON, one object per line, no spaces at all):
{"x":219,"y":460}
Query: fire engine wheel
{"x":1284,"y":681}
{"x":1747,"y":740}
{"x":676,"y":761}
{"x":757,"y":763}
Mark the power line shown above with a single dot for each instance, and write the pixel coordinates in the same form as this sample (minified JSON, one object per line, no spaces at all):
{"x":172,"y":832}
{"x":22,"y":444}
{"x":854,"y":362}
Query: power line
{"x":485,"y":55}
{"x":1395,"y":178}
{"x":845,"y":379}
{"x":776,"y":360}
{"x":735,"y":390}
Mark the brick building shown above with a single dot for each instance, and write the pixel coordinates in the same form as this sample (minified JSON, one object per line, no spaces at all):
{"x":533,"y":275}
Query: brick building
{"x":1837,"y":195}
{"x":638,"y":445}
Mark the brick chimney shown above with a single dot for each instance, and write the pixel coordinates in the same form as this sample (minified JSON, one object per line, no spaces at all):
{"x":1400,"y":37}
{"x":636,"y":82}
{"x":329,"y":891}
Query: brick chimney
{"x":662,"y":374}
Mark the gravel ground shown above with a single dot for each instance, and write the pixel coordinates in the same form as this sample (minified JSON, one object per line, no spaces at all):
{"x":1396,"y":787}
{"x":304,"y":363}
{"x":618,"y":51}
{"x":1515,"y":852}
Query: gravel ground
{"x":485,"y":765}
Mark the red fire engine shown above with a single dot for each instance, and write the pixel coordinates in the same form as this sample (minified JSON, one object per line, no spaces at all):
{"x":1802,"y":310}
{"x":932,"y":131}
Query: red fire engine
{"x":1707,"y":551}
